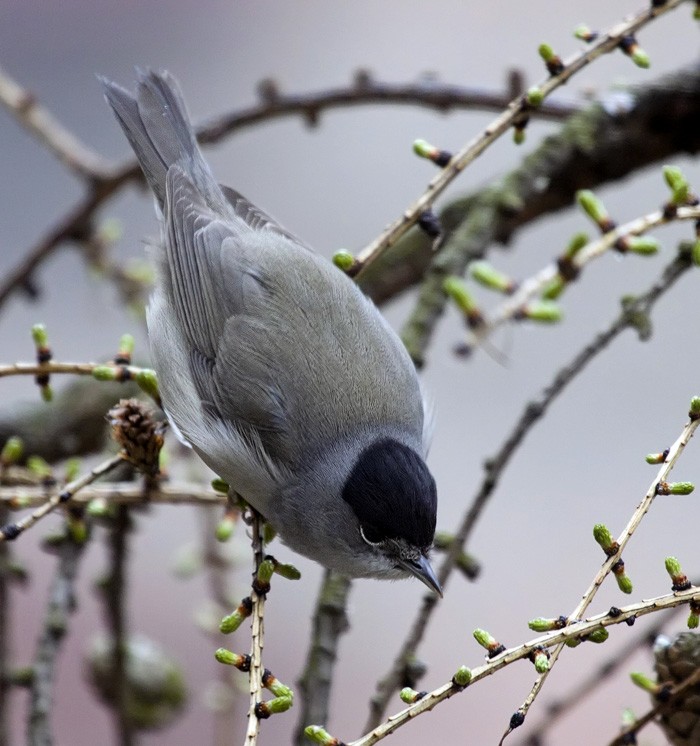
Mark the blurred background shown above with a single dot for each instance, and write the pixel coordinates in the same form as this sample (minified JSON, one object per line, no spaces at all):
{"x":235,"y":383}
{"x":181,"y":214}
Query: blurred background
{"x":336,"y":186}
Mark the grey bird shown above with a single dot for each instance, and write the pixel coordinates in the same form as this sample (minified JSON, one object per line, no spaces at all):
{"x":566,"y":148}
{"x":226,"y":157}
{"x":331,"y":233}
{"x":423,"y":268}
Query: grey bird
{"x":273,"y":365}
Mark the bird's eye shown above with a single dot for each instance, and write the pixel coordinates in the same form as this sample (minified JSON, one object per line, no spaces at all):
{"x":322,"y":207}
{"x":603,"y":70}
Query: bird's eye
{"x":371,"y":535}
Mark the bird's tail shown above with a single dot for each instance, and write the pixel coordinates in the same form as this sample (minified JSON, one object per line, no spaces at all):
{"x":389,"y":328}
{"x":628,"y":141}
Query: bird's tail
{"x":158,"y":127}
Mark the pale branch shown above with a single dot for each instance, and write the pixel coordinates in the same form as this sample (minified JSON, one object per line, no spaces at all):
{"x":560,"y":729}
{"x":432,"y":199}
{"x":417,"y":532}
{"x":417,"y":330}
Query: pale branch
{"x":558,"y":708}
{"x":257,"y":642}
{"x":5,"y":558}
{"x":77,"y":225}
{"x":330,"y":622}
{"x":533,"y":286}
{"x":599,"y":145}
{"x":77,"y":156}
{"x":497,"y":464}
{"x":556,"y":638}
{"x":61,"y":604}
{"x":613,"y":557}
{"x":607,"y":42}
{"x":674,"y":693}
{"x":11,"y":531}
{"x":129,"y":372}
{"x":119,"y":493}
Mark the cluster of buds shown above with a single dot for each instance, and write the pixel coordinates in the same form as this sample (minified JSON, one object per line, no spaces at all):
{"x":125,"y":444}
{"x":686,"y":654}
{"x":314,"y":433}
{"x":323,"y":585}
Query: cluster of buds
{"x":567,"y":269}
{"x":681,"y":194}
{"x":282,"y":700}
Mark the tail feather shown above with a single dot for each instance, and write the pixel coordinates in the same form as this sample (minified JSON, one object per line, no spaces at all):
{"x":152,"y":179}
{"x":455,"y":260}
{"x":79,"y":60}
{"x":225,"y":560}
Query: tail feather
{"x":159,"y":130}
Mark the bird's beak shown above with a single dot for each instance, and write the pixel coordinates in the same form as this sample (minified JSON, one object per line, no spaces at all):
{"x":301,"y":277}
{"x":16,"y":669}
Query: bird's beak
{"x":421,"y":569}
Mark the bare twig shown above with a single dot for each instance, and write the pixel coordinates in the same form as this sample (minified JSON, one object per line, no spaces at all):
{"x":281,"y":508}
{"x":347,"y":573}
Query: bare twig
{"x":79,"y":158}
{"x":554,"y":639}
{"x":606,"y":42}
{"x":11,"y":531}
{"x":255,"y":676}
{"x":4,"y":633}
{"x":330,"y":622}
{"x":115,"y":598}
{"x":624,"y":737}
{"x":496,"y":465}
{"x":61,"y":605}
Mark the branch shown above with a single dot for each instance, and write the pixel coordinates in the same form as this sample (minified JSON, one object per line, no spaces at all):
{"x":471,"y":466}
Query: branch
{"x":518,"y":108}
{"x":330,"y":622}
{"x":497,"y":464}
{"x":61,"y":605}
{"x":556,"y":638}
{"x":255,"y":675}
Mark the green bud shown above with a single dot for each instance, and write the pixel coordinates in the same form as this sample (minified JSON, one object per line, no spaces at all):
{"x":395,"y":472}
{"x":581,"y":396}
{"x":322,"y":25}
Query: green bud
{"x":680,"y":488}
{"x":463,"y":676}
{"x":12,"y":451}
{"x":77,"y":529}
{"x":583,"y":33}
{"x":542,"y":624}
{"x":408,"y":695}
{"x":572,"y":642}
{"x":126,"y":344}
{"x":628,"y":717}
{"x":46,"y":393}
{"x":40,"y":335}
{"x":343,"y":260}
{"x":673,"y":567}
{"x":287,"y":571}
{"x":696,"y":12}
{"x":677,"y":183}
{"x":599,"y":636}
{"x":693,"y":620}
{"x":319,"y":735}
{"x":268,"y":533}
{"x":655,"y":458}
{"x":278,"y":704}
{"x":484,"y":638}
{"x":39,"y":467}
{"x":265,"y":571}
{"x":535,"y":97}
{"x":640,"y":58}
{"x":147,"y":381}
{"x":518,"y":135}
{"x":644,"y":682}
{"x":456,"y":289}
{"x":486,"y":275}
{"x":694,"y":412}
{"x":695,"y":253}
{"x":546,"y":52}
{"x":230,"y":659}
{"x":554,"y":288}
{"x":592,"y":206}
{"x":624,"y":583}
{"x":541,"y":662}
{"x":104,"y":373}
{"x":231,"y":622}
{"x":98,"y":508}
{"x":643,"y":245}
{"x":543,"y":311}
{"x":224,"y":528}
{"x":72,"y":469}
{"x":219,"y":485}
{"x":577,"y":242}
{"x":601,"y":533}
{"x":423,"y":149}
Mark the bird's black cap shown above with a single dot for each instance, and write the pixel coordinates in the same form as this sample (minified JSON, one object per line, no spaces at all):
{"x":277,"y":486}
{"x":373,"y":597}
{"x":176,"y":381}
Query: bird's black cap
{"x":393,"y":494}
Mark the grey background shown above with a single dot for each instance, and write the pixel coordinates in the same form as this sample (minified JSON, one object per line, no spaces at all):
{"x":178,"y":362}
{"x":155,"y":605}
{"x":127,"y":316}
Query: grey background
{"x":337,"y":186}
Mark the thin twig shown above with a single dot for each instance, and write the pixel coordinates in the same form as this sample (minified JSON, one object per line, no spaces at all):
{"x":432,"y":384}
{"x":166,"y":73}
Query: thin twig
{"x":257,"y":642}
{"x":11,"y":531}
{"x":663,"y":706}
{"x":4,"y":632}
{"x":115,"y":598}
{"x":127,"y":372}
{"x":497,"y":464}
{"x":79,"y":158}
{"x":556,"y":638}
{"x":674,"y":453}
{"x":330,"y":622}
{"x":606,"y":42}
{"x":119,"y":493}
{"x":61,"y":605}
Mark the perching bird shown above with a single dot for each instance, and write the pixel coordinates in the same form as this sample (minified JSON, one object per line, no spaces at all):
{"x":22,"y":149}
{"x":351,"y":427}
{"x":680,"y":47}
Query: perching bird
{"x":272,"y":364}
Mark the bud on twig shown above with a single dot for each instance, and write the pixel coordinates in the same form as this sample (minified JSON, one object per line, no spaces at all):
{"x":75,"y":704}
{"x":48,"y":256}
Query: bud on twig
{"x":679,"y":579}
{"x":233,"y":621}
{"x":492,"y":646}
